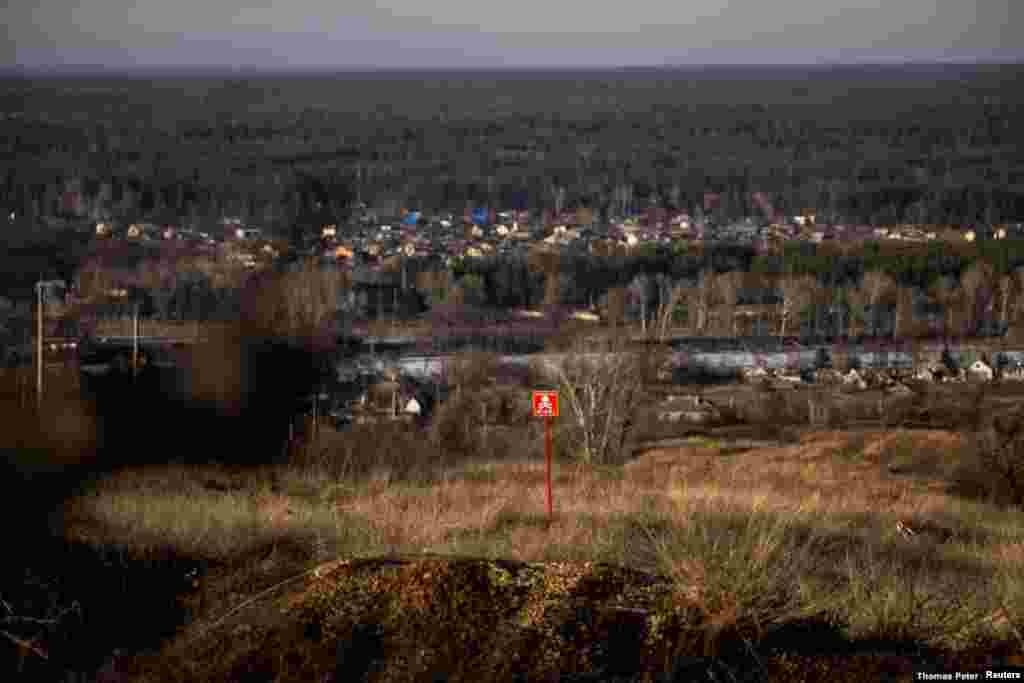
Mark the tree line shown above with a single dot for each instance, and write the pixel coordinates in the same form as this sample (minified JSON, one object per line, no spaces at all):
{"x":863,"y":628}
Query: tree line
{"x":716,"y":289}
{"x":947,"y":156}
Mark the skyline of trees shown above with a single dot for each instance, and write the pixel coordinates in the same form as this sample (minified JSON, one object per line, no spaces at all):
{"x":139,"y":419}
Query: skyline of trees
{"x":853,"y":148}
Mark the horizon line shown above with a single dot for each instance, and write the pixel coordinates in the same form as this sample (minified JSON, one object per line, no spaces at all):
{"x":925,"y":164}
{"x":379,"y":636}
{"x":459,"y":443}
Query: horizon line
{"x":217,"y":69}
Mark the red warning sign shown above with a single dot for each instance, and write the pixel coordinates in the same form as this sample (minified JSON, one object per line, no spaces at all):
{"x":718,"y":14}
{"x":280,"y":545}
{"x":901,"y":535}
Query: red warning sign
{"x":545,"y":404}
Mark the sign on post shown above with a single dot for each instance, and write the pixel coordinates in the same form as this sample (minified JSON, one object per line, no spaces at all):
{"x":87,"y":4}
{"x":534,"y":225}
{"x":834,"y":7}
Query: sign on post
{"x":545,"y":404}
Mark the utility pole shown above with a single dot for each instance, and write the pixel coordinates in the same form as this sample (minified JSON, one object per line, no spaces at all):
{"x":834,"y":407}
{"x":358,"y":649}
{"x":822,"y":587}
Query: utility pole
{"x":643,"y":314}
{"x":359,"y":183}
{"x":483,"y":423}
{"x":135,"y":340}
{"x":39,"y":347}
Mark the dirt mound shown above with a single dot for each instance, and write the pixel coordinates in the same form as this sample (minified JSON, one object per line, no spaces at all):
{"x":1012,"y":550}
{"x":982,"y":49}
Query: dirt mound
{"x":464,"y":619}
{"x":460,"y":619}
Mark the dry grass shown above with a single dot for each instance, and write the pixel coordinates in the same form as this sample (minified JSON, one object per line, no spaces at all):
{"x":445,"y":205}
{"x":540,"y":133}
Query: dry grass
{"x":755,"y":538}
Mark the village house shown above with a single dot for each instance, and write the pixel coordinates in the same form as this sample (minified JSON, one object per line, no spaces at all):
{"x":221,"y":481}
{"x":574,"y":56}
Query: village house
{"x":980,"y":370}
{"x":248,"y":233}
{"x":827,"y":376}
{"x":753,"y":374}
{"x":898,"y":388}
{"x":853,"y":379}
{"x":1013,"y":374}
{"x":242,"y":258}
{"x":586,"y":316}
{"x":806,"y":218}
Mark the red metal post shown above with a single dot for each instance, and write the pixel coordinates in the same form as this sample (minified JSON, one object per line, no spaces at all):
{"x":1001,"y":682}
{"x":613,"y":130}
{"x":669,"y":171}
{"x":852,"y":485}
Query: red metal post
{"x":547,"y":460}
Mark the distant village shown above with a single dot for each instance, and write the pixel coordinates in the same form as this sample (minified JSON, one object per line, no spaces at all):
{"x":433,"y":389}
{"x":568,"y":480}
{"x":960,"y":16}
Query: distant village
{"x":386,"y":229}
{"x":375,"y":236}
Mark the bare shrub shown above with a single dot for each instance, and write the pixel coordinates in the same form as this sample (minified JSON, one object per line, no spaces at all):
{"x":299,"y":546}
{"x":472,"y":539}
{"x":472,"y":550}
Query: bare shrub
{"x":777,"y":407}
{"x":456,"y":428}
{"x":362,"y":451}
{"x":655,"y":365}
{"x":493,"y":426}
{"x":797,"y":293}
{"x":667,"y":310}
{"x":472,"y":371}
{"x":992,"y":466}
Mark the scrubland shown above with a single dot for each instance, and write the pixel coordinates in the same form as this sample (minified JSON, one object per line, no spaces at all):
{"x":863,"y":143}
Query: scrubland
{"x":403,"y":552}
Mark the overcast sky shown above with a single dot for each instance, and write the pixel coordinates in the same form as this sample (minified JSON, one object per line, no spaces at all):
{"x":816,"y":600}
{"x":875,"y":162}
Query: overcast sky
{"x":467,"y":33}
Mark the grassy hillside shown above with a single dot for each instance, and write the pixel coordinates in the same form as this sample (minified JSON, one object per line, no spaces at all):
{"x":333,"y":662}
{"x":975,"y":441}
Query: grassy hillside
{"x":780,"y":563}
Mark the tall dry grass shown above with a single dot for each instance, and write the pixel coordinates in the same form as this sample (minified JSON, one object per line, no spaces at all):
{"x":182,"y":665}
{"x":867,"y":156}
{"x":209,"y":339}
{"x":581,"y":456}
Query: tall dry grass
{"x":756,"y":540}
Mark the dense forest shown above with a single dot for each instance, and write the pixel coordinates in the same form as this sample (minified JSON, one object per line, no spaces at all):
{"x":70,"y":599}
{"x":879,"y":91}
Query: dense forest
{"x":872,"y":145}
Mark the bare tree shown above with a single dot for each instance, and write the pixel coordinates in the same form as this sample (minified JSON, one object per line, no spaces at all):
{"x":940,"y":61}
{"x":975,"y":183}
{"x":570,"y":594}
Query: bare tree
{"x":877,"y":286}
{"x":976,"y":282}
{"x":904,"y":309}
{"x":1018,"y":281}
{"x":1007,"y":289}
{"x":701,"y":299}
{"x":548,"y":263}
{"x":637,"y":294}
{"x":435,"y":285}
{"x":797,"y":293}
{"x":759,"y":283}
{"x":949,"y":298}
{"x":856,"y":298}
{"x":616,"y":307}
{"x":667,"y":309}
{"x":557,"y":195}
{"x":727,"y":287}
{"x":602,"y":393}
{"x":300,"y":303}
